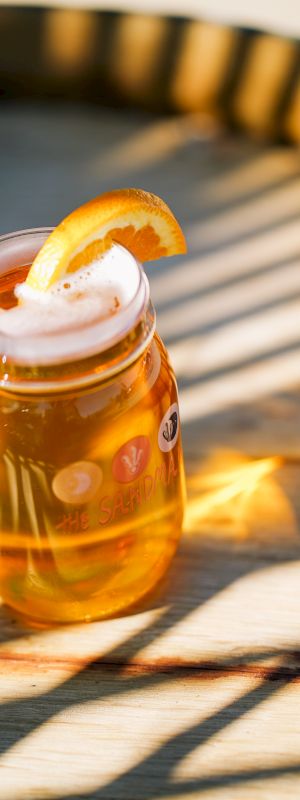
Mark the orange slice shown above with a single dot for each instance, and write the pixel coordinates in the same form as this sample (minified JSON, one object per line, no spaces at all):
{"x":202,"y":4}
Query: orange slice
{"x":136,"y":219}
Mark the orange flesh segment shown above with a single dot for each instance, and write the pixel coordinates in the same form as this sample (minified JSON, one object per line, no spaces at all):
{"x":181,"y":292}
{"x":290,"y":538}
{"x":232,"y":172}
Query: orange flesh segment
{"x":140,"y":221}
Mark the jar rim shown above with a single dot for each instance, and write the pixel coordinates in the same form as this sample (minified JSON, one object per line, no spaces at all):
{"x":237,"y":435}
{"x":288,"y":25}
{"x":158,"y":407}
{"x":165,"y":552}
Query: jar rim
{"x":25,"y":232}
{"x":96,"y":337}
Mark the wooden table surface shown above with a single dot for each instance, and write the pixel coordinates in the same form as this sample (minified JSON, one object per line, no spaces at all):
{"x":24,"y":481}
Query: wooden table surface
{"x":195,"y":694}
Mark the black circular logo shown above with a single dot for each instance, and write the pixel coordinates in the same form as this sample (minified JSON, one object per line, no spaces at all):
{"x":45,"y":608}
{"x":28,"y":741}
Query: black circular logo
{"x":169,"y":429}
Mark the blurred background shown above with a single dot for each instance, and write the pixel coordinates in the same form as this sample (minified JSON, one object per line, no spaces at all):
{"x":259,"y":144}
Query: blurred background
{"x":198,"y":102}
{"x":239,"y":65}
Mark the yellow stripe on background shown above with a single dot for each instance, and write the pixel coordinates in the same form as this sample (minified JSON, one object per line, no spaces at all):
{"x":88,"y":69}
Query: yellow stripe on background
{"x":263,"y":78}
{"x":292,"y":124}
{"x":137,"y":45}
{"x":68,"y":39}
{"x":202,"y":63}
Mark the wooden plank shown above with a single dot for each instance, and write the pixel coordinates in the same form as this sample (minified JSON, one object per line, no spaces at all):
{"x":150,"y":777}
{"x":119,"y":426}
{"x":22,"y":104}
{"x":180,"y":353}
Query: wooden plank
{"x":110,"y":733}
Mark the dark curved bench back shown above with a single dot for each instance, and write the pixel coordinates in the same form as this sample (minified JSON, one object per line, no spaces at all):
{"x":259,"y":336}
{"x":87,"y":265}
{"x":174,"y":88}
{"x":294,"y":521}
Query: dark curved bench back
{"x":247,"y":79}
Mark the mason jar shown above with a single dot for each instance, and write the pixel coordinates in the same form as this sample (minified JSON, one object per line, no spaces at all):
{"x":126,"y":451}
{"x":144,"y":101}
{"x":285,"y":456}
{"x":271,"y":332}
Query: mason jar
{"x":91,"y":467}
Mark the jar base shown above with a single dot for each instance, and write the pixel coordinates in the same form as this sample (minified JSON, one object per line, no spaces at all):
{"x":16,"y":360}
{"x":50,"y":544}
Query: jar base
{"x":104,"y":606}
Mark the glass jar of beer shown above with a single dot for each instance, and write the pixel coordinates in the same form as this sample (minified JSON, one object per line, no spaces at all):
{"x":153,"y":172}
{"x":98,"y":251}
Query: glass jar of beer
{"x":91,"y":470}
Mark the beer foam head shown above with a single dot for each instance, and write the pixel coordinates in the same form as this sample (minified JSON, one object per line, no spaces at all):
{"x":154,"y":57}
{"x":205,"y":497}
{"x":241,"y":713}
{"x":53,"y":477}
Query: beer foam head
{"x":115,"y":272}
{"x":81,"y":314}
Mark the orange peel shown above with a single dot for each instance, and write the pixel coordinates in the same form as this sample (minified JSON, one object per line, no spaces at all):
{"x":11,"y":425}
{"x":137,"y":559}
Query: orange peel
{"x":139,"y":220}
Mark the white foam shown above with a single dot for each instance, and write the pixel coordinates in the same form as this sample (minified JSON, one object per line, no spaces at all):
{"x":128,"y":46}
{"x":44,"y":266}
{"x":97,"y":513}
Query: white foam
{"x":35,"y":318}
{"x":98,"y":293}
{"x":114,"y":272}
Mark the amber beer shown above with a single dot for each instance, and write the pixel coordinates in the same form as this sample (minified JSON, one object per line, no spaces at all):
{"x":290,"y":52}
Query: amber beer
{"x":91,"y":472}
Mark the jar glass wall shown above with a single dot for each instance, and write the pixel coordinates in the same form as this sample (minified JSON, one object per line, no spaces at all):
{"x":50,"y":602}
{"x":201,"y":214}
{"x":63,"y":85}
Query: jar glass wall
{"x":91,"y":473}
